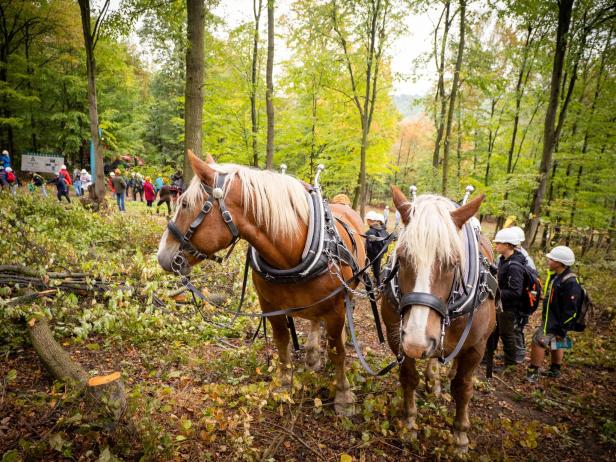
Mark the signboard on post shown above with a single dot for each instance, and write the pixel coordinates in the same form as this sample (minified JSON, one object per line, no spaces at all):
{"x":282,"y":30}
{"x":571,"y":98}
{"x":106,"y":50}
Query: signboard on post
{"x":36,"y":162}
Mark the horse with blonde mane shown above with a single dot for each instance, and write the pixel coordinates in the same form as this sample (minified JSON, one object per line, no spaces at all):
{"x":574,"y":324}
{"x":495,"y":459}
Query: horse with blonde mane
{"x":431,"y":256}
{"x":271,"y":212}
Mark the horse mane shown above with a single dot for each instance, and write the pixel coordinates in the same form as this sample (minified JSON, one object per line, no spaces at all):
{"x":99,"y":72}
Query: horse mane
{"x":278,"y":202}
{"x":431,"y":234}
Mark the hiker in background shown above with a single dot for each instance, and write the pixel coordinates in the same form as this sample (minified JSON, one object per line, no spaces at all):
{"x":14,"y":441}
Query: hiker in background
{"x":164,"y":197}
{"x":375,"y":241}
{"x":67,"y":177}
{"x":138,"y":187}
{"x":119,"y":186}
{"x":77,"y":182}
{"x":61,"y":186}
{"x":130,"y":185}
{"x":150,"y":195}
{"x":5,"y":162}
{"x":86,"y":180}
{"x":511,"y":286}
{"x":38,"y":182}
{"x":560,"y":306}
{"x":110,"y":181}
{"x":158,"y":184}
{"x":11,"y":180}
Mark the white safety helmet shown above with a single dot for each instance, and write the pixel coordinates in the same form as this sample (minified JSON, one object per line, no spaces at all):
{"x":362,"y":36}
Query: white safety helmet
{"x":5,"y":152}
{"x":8,"y":169}
{"x":562,"y":254}
{"x":63,"y":167}
{"x":83,"y":171}
{"x":374,"y":216}
{"x":520,"y":233}
{"x":111,"y":174}
{"x":507,"y":236}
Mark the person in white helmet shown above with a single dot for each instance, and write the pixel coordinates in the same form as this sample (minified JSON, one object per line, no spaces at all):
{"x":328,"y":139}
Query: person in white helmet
{"x":375,"y":240}
{"x":560,"y":306}
{"x":521,"y":237}
{"x":511,"y":288}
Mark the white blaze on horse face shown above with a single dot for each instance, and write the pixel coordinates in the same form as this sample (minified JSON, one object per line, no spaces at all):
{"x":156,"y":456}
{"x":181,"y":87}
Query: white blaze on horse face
{"x":415,"y":335}
{"x":166,"y":252}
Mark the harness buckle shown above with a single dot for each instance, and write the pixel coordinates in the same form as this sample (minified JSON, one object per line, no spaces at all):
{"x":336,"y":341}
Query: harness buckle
{"x":207,"y":207}
{"x":226,"y":216}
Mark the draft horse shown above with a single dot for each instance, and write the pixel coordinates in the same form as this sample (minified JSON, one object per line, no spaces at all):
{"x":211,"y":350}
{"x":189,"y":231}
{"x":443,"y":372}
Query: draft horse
{"x":271,"y":212}
{"x":430,"y":254}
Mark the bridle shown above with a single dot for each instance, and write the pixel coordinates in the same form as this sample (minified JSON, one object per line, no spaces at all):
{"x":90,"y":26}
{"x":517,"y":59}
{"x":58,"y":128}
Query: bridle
{"x":215,"y":195}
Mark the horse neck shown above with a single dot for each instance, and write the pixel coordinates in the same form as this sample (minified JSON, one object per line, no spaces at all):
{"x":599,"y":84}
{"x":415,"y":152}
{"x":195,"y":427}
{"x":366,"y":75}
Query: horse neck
{"x":281,"y":253}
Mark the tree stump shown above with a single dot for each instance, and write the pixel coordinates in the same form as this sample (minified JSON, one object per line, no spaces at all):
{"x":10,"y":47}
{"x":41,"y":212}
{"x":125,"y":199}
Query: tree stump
{"x":104,"y":392}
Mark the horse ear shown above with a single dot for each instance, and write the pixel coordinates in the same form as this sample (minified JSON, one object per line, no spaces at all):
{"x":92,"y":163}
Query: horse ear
{"x":209,"y":159}
{"x":402,"y":204}
{"x":201,"y":168}
{"x":462,"y":214}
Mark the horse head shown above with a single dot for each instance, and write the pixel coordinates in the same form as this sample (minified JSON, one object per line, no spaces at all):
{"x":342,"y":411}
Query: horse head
{"x":188,"y":240}
{"x":430,"y":251}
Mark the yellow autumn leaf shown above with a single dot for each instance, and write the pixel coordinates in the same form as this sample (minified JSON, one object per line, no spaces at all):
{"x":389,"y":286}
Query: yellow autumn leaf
{"x":346,"y":458}
{"x":318,"y":403}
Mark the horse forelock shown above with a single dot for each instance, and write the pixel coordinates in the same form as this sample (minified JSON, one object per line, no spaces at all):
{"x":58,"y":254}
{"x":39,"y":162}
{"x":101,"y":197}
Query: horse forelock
{"x":278,"y":202}
{"x":431,"y":234}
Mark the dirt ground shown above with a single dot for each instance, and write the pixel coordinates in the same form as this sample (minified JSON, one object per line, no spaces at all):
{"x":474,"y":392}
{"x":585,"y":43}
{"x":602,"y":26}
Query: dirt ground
{"x":214,"y":401}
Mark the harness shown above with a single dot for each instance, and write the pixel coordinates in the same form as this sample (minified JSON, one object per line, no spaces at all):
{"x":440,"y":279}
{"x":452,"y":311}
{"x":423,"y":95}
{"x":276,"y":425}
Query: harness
{"x":324,"y":249}
{"x":469,"y":289}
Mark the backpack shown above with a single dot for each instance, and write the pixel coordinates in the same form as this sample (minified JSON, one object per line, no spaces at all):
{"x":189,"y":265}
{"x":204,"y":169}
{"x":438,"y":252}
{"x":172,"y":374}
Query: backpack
{"x":584,"y":306}
{"x":10,"y":177}
{"x":532,"y":289}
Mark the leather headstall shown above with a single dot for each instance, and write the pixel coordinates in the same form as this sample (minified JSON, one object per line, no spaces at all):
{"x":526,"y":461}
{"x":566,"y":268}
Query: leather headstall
{"x":215,"y":194}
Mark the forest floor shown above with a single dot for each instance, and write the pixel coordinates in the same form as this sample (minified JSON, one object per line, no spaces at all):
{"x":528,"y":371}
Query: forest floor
{"x":209,"y":395}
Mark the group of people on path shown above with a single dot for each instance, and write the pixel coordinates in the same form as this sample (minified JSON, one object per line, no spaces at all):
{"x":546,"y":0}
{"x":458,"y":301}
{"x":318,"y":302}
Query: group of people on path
{"x":145,"y":189}
{"x":562,"y":297}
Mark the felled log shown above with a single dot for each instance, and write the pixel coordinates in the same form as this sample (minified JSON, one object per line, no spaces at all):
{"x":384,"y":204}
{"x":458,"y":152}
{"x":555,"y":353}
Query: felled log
{"x":105,"y":392}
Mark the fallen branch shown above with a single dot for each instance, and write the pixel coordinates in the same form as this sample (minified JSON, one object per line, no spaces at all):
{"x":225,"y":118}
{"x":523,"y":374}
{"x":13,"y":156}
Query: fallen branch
{"x":23,"y":299}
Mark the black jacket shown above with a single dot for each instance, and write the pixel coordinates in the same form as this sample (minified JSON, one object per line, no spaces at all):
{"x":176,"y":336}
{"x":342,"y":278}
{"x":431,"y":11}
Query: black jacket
{"x":373,"y":247}
{"x":511,"y":281}
{"x":560,"y":304}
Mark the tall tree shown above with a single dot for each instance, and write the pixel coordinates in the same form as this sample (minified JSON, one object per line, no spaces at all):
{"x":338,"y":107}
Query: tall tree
{"x":269,"y":94}
{"x":257,"y":7}
{"x":91,"y":36}
{"x":195,"y":58}
{"x":440,"y":88}
{"x":452,"y":97}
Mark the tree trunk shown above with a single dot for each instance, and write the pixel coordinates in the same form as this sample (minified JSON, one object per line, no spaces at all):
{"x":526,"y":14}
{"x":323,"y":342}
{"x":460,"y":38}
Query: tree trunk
{"x":452,"y":97}
{"x":106,"y":392}
{"x":90,"y":43}
{"x":441,"y":87}
{"x":565,"y":8}
{"x":193,"y":105}
{"x":269,"y":94}
{"x":256,"y":7}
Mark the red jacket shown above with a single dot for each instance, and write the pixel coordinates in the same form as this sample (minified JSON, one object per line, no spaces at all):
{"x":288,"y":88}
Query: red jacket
{"x":66,"y":176}
{"x":148,"y":190}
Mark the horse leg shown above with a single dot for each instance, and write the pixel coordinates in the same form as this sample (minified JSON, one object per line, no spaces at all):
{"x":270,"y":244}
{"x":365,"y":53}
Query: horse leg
{"x":462,"y":391}
{"x":281,"y":339}
{"x":313,"y":347}
{"x":345,"y":399}
{"x":433,"y":377}
{"x":409,"y":378}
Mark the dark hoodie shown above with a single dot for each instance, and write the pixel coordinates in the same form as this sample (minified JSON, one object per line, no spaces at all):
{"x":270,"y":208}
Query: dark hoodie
{"x":560,"y":304}
{"x":511,"y":281}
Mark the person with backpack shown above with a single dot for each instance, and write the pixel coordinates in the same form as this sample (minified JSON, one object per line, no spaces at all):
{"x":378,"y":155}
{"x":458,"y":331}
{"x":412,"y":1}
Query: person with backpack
{"x":562,"y":312}
{"x":150,"y":195}
{"x":38,"y":182}
{"x":119,"y":187}
{"x":511,"y":277}
{"x":138,"y":187}
{"x":11,"y":179}
{"x":61,"y":186}
{"x":375,"y":241}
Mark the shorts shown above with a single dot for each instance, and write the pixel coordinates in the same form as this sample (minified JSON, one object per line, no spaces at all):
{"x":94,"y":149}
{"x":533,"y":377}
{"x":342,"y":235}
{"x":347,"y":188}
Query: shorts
{"x":541,"y":339}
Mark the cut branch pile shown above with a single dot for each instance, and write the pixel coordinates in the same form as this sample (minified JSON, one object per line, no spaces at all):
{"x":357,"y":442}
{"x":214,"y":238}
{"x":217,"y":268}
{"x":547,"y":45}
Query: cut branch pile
{"x":81,"y":283}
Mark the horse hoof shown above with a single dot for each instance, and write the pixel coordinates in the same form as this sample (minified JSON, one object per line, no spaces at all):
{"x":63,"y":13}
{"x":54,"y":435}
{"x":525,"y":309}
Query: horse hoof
{"x":461,"y":440}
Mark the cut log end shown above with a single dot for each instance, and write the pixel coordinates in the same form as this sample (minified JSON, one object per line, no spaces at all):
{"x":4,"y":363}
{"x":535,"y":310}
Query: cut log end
{"x":100,"y":380}
{"x":31,"y":322}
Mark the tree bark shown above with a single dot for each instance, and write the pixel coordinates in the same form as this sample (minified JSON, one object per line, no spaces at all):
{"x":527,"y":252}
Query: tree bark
{"x":441,"y":87}
{"x":257,"y":8}
{"x":193,"y":103}
{"x":269,"y":94}
{"x":90,"y":38}
{"x":550,"y":131}
{"x":452,"y":97}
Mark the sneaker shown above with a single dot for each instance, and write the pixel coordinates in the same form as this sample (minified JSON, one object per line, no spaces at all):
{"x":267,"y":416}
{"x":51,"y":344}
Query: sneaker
{"x":553,"y":373}
{"x":532,"y":375}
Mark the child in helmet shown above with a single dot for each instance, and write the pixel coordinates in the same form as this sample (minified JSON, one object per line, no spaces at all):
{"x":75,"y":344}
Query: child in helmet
{"x":560,"y":305}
